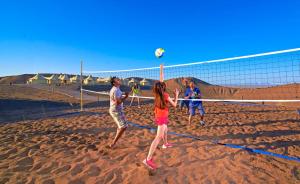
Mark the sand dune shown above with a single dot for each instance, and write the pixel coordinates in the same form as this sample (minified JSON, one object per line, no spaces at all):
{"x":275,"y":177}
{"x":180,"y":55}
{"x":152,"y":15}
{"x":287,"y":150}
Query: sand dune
{"x":17,"y":79}
{"x":24,"y":102}
{"x":287,"y":91}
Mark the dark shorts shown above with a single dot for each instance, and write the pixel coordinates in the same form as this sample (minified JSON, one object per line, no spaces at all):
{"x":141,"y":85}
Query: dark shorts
{"x":192,"y":109}
{"x":184,"y":103}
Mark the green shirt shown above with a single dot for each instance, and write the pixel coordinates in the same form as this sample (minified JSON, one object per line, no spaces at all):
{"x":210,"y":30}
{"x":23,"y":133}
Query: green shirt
{"x":135,"y":90}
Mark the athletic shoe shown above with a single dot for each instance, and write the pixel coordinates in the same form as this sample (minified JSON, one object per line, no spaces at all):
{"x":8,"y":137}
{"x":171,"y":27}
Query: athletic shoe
{"x":202,"y":123}
{"x":150,"y":164}
{"x":168,"y":145}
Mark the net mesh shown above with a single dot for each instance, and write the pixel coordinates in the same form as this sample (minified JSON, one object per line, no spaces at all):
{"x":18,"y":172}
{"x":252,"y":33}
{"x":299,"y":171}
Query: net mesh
{"x":269,"y":77}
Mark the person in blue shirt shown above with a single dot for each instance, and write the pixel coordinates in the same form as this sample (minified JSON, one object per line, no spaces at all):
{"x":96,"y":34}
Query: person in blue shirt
{"x":193,"y":93}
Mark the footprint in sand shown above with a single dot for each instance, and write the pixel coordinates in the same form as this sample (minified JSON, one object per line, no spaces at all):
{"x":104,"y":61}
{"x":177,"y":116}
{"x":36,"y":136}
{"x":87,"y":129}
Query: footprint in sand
{"x":77,"y":169}
{"x":113,"y":177}
{"x":33,"y":151}
{"x":24,"y":164}
{"x":79,"y":159}
{"x":62,"y":169}
{"x":93,"y":171}
{"x":4,"y":156}
{"x":92,"y":147}
{"x":138,"y":164}
{"x":25,"y":161}
{"x":175,"y":164}
{"x":20,"y":154}
{"x":151,"y":172}
{"x":4,"y":166}
{"x":90,"y":160}
{"x":31,"y":181}
{"x":48,"y":169}
{"x":103,"y":152}
{"x":48,"y":182}
{"x":37,"y":166}
{"x":8,"y":153}
{"x":78,"y":181}
{"x":80,"y":148}
{"x":74,"y":139}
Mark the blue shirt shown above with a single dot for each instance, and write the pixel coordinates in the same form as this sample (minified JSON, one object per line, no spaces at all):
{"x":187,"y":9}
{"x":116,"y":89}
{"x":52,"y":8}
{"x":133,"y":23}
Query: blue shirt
{"x":193,"y":93}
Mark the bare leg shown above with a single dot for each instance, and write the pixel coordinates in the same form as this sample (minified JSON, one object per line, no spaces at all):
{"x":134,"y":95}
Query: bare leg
{"x":119,"y":133}
{"x":190,"y":119}
{"x":166,"y":134}
{"x":138,"y":99}
{"x":155,"y":142}
{"x":131,"y":101}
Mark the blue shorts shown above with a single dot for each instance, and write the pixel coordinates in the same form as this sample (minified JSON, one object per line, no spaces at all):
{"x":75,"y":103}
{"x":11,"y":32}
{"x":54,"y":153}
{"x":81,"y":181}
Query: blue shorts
{"x":192,"y":109}
{"x":184,"y":103}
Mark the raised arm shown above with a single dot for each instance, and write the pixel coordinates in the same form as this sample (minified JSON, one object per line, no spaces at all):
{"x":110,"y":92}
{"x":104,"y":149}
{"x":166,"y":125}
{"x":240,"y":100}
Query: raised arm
{"x":174,"y":103}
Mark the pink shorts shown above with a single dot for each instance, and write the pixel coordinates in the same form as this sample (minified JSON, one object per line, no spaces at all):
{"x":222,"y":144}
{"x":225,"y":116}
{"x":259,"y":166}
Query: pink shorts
{"x":161,"y":120}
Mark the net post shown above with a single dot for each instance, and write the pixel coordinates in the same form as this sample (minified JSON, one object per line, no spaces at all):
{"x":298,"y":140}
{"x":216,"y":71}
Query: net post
{"x":81,"y":96}
{"x":161,"y":73}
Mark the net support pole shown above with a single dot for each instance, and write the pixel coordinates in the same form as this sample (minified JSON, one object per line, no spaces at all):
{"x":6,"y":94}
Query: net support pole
{"x":81,"y":96}
{"x":161,"y":73}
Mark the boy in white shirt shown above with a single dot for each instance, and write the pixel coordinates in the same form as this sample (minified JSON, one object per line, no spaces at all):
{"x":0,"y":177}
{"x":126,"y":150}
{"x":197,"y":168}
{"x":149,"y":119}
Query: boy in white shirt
{"x":116,"y":108}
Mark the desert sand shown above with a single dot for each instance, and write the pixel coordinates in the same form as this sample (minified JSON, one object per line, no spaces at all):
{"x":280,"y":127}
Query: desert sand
{"x":68,"y":146}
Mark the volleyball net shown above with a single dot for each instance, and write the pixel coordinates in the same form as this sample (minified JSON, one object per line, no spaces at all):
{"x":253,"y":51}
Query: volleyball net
{"x":265,"y":77}
{"x":245,"y":98}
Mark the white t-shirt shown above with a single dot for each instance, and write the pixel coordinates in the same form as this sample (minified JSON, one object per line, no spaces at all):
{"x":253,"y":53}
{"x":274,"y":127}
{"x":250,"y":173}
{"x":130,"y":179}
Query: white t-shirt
{"x":114,"y":94}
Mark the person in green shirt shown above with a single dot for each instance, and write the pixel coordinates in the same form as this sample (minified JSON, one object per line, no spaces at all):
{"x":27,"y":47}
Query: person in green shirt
{"x":135,"y":94}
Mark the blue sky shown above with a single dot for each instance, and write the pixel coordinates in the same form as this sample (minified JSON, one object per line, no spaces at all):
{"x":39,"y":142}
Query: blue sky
{"x":53,"y":36}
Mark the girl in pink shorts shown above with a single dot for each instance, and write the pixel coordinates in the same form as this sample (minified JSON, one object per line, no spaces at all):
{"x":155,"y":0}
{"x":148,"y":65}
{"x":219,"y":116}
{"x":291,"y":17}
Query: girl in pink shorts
{"x":161,"y":111}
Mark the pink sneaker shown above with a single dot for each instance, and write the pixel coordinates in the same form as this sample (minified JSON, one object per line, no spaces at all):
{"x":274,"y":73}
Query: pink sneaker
{"x":168,"y":145}
{"x":150,"y":164}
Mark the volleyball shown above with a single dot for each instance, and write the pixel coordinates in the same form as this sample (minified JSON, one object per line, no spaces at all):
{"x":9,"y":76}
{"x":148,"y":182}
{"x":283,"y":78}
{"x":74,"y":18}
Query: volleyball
{"x":159,"y":52}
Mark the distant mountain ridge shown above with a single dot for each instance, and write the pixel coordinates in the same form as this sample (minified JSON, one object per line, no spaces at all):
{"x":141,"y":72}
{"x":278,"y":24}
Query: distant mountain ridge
{"x":210,"y":91}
